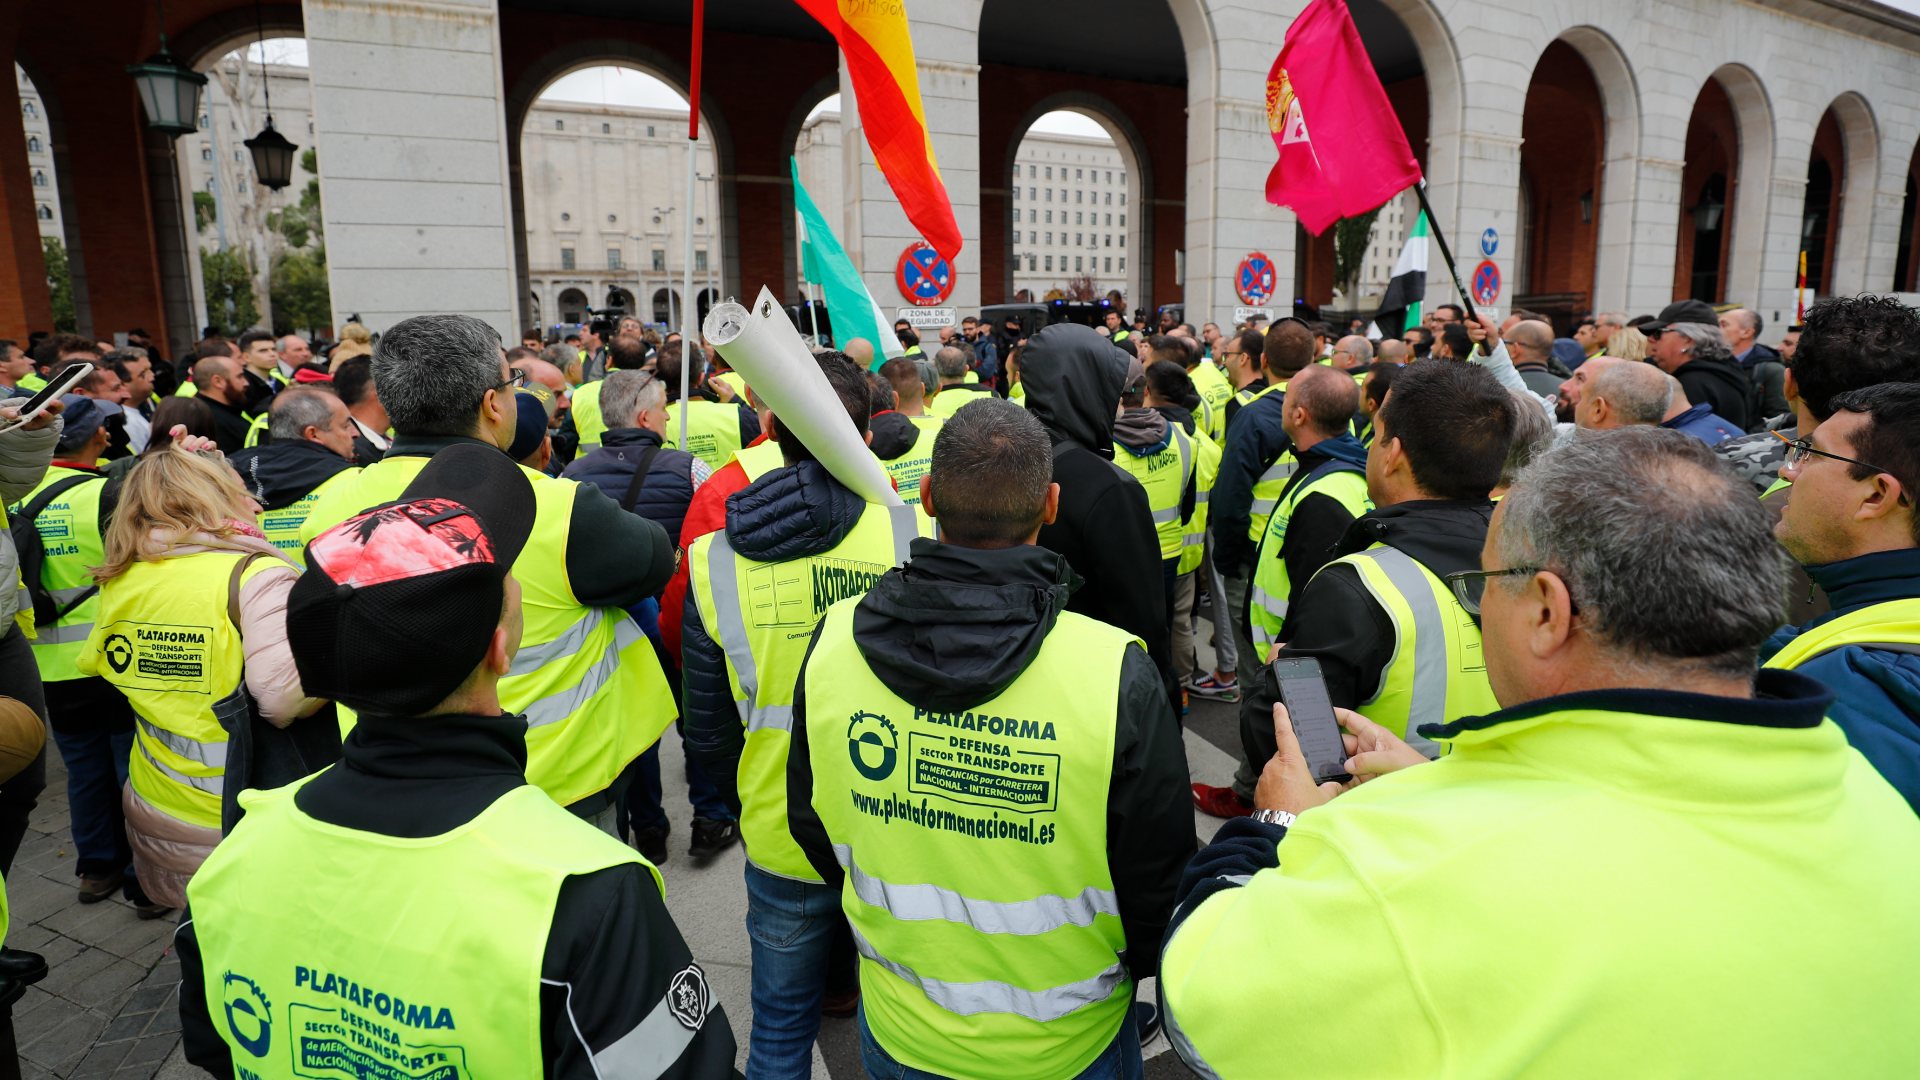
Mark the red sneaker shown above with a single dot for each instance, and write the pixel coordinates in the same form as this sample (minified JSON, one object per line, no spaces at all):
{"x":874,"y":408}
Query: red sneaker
{"x":1220,"y":802}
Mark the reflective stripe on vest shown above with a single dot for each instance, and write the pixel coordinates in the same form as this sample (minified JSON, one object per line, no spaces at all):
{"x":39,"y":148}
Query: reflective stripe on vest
{"x":1272,"y":482}
{"x":1166,"y":488}
{"x":713,"y":431}
{"x":760,"y":614}
{"x":1270,"y":590}
{"x":257,"y":430}
{"x":71,"y":545}
{"x":586,"y":678}
{"x":587,"y":419}
{"x":316,"y":936}
{"x":978,"y":887}
{"x":1891,"y":623}
{"x":1436,"y":674}
{"x":282,"y":527}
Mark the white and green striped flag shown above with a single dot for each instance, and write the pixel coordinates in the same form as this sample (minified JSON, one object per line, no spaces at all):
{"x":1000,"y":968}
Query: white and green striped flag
{"x":1409,"y":283}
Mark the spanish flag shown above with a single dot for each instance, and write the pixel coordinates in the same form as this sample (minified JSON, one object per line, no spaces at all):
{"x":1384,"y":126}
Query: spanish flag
{"x":886,"y":86}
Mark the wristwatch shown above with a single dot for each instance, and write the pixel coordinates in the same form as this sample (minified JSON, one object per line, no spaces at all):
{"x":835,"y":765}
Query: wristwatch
{"x":1274,"y":817}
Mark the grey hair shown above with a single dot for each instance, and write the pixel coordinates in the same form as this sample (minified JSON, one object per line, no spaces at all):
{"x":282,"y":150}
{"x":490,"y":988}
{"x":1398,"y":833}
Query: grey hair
{"x":1362,"y":349}
{"x":1638,"y":392}
{"x":950,"y":362}
{"x":1611,"y":318}
{"x":992,"y":463}
{"x":1709,"y":343}
{"x":434,"y":370}
{"x":297,"y":408}
{"x":626,"y":392}
{"x":1670,"y":560}
{"x":1532,"y":433}
{"x":560,"y":355}
{"x":1751,"y":317}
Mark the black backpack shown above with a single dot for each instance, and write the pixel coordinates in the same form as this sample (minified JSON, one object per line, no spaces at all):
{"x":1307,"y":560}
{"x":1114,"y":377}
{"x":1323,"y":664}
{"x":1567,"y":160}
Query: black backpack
{"x":33,"y":556}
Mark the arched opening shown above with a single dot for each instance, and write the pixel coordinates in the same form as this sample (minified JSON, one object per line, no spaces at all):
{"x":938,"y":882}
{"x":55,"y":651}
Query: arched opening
{"x":49,"y":215}
{"x":816,"y":152}
{"x":1345,"y":270}
{"x":1906,"y":261}
{"x":1563,"y":132}
{"x":1706,"y":190}
{"x":1820,"y":209}
{"x":620,"y":302}
{"x":571,"y":309}
{"x":1075,"y":196}
{"x":704,"y":303}
{"x":666,"y":308}
{"x":1837,"y":227}
{"x":259,"y":254}
{"x":1053,"y":94}
{"x":599,"y":182}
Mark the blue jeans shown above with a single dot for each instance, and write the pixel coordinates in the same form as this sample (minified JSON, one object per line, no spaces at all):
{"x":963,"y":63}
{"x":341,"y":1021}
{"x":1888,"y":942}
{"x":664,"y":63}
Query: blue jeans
{"x":643,"y":797}
{"x":790,"y":925}
{"x":1119,"y":1061}
{"x":96,"y":771}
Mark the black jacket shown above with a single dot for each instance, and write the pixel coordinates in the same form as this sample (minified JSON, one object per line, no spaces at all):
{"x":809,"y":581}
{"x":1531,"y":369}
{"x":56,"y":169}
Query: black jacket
{"x":894,"y":435}
{"x":670,"y":479}
{"x":1335,"y":620}
{"x":1105,"y":526}
{"x":790,"y":513}
{"x":1255,"y":440}
{"x":230,"y":425}
{"x":1319,"y":521}
{"x":612,"y":951}
{"x":1724,"y":386}
{"x":952,"y":630}
{"x":280,"y":474}
{"x":1769,"y":376}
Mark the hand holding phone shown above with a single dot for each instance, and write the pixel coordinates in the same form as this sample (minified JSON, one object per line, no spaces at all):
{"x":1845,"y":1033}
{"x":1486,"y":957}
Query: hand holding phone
{"x":48,"y":399}
{"x":1304,"y":692}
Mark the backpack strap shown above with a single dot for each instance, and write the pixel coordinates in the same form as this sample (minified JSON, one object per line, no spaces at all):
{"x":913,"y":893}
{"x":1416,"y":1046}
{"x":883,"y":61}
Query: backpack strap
{"x":233,"y":585}
{"x":639,"y":481}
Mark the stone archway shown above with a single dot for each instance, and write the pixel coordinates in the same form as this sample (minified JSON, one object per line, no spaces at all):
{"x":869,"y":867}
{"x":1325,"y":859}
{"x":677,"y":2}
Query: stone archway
{"x":1850,"y":120}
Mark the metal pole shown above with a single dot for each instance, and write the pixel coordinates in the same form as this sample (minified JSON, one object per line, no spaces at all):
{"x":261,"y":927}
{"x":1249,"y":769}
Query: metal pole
{"x":687,"y":338}
{"x":1433,"y":226}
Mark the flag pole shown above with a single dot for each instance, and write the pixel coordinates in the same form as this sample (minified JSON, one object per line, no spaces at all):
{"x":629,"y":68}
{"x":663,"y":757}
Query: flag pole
{"x":1446,"y":255}
{"x":687,"y":305}
{"x":813,"y":322}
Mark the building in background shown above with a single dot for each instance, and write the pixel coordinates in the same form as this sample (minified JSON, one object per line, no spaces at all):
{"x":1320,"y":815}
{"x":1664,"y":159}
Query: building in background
{"x":1069,"y":196}
{"x":46,"y":184}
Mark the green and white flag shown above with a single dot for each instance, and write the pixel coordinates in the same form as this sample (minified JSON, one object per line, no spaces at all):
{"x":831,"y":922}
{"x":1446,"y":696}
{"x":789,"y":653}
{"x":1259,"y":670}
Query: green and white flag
{"x":1408,"y":287}
{"x":851,"y":309}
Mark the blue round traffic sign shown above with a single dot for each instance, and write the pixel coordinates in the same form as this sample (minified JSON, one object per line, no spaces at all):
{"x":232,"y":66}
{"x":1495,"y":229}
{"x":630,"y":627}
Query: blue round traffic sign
{"x":1486,"y":282}
{"x":925,"y":279}
{"x":1489,"y":242}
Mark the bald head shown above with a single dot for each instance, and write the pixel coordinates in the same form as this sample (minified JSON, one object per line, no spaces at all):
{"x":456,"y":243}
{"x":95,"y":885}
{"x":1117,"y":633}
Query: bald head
{"x":1623,"y":393}
{"x":1352,"y":352}
{"x":545,"y":374}
{"x":1533,"y":339}
{"x":1392,"y":351}
{"x":860,"y":351}
{"x":1320,"y":402}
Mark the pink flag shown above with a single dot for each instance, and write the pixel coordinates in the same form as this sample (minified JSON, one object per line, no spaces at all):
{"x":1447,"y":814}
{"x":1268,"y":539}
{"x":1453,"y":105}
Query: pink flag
{"x":1356,"y":156}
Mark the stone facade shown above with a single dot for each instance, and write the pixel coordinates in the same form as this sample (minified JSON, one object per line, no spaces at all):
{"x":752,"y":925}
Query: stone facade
{"x":43,"y":178}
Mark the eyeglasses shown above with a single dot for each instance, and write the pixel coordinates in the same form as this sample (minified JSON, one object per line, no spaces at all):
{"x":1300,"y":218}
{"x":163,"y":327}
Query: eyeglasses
{"x":1469,"y":585}
{"x":516,"y":378}
{"x":1799,"y":450}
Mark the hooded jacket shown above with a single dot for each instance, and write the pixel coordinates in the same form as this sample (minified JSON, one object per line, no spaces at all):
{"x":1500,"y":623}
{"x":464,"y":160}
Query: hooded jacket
{"x":1335,"y":620}
{"x":893,"y":434}
{"x":612,"y":951}
{"x":280,"y":474}
{"x":1725,"y":387}
{"x":790,"y":513}
{"x":1769,"y":375}
{"x":1104,"y":528}
{"x":1146,"y":432}
{"x":1876,"y":691}
{"x":1319,"y":521}
{"x":953,"y":629}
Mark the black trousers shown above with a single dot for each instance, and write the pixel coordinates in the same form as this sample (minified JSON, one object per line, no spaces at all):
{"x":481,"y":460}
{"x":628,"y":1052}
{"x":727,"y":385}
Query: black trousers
{"x":20,"y":679}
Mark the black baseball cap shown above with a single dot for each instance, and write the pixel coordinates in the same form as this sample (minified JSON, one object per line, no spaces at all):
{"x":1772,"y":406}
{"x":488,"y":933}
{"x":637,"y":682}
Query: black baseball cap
{"x":1682,"y":311}
{"x":399,"y":602}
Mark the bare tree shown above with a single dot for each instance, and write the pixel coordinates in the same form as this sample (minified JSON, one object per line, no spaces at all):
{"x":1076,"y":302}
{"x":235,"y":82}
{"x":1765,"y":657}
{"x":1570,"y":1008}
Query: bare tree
{"x":1082,"y":287}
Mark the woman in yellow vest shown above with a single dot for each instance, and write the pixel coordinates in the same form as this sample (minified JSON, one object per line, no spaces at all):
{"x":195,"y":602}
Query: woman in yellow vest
{"x":191,"y":627}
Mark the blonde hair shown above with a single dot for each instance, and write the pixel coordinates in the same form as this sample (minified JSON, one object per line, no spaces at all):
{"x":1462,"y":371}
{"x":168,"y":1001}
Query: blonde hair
{"x":355,"y":340}
{"x":176,"y":494}
{"x":1628,"y":343}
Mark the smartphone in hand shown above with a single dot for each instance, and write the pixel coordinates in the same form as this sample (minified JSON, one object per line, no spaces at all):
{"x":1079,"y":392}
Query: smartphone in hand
{"x":1304,"y":692}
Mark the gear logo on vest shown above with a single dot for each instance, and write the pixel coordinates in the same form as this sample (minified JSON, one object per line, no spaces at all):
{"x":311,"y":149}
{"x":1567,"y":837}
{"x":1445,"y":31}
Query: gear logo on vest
{"x":249,"y":1015}
{"x":866,"y":730}
{"x":119,"y":652}
{"x":688,"y":998}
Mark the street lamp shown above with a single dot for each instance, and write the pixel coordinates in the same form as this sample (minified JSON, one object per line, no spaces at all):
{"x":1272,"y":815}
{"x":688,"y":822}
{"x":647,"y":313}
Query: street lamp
{"x":169,"y":90}
{"x":272,"y":153}
{"x":1706,"y":213}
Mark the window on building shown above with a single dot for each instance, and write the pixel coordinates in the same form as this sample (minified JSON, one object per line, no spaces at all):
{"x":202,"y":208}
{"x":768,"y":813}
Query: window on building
{"x":1077,"y":215}
{"x":649,"y":131}
{"x":566,"y":258}
{"x":1077,"y":195}
{"x":1049,"y":264}
{"x":39,"y":178}
{"x":564,"y":216}
{"x":1123,"y":221}
{"x":1123,"y":198}
{"x":33,"y":144}
{"x":1079,"y":174}
{"x":559,"y":125}
{"x":45,"y":212}
{"x":1049,"y":239}
{"x":309,"y":125}
{"x":1049,"y":194}
{"x":659,"y":259}
{"x":1030,"y":216}
{"x":1016,"y":193}
{"x":1063,"y":194}
{"x":1049,"y":217}
{"x":1109,"y":198}
{"x":204,"y":123}
{"x":1078,"y":263}
{"x":1110,"y":219}
{"x":1076,"y":239}
{"x":27,"y":108}
{"x":1030,"y":238}
{"x":1109,"y":176}
{"x":1030,"y":176}
{"x":1030,"y":264}
{"x":1123,"y":264}
{"x":700,"y":259}
{"x":1109,"y":264}
{"x":1109,"y":240}
{"x":613,"y":258}
{"x":1049,"y":172}
{"x":1029,"y":193}
{"x":206,"y":153}
{"x":1123,"y":239}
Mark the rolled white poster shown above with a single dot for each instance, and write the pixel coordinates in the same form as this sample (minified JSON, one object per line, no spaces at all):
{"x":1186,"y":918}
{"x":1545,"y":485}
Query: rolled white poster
{"x":762,"y":344}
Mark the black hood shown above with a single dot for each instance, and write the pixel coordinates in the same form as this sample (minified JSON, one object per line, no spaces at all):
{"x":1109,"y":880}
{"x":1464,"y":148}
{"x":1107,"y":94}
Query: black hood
{"x":893,"y":435}
{"x":1442,"y":535}
{"x":955,"y":626}
{"x":1737,"y":380}
{"x":791,"y":512}
{"x":1073,"y":378}
{"x":280,"y":474}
